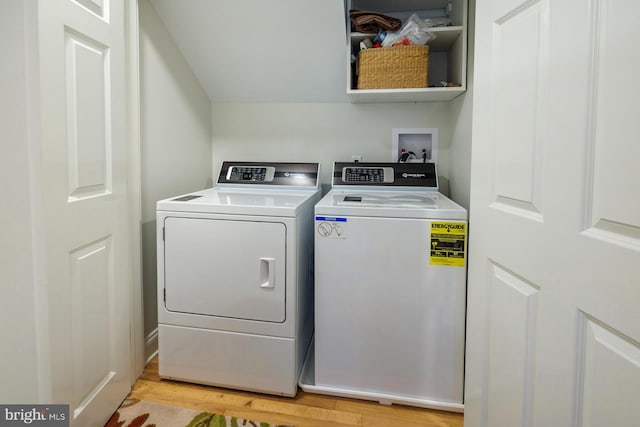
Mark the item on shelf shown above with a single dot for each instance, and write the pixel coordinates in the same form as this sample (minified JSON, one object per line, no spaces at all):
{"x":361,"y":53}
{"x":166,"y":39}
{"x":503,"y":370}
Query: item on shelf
{"x":402,"y":42}
{"x":366,"y":44}
{"x":369,"y":22}
{"x":379,"y":37}
{"x":438,"y":22}
{"x":393,"y":67}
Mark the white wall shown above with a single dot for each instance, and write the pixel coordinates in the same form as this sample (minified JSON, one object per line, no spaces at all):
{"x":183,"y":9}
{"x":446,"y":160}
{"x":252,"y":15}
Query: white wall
{"x":23,"y":336}
{"x":175,"y":141}
{"x":320,"y":132}
{"x":461,"y":111}
{"x":262,"y":51}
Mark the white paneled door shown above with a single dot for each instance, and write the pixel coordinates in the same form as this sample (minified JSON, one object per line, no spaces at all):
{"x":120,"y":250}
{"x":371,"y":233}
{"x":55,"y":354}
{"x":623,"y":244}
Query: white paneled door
{"x":84,"y":145}
{"x":553,"y":333}
{"x":554,"y":282}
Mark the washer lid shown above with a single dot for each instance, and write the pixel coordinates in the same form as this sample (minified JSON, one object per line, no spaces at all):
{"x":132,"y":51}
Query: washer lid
{"x":241,"y":201}
{"x":394,"y":200}
{"x":392,"y":204}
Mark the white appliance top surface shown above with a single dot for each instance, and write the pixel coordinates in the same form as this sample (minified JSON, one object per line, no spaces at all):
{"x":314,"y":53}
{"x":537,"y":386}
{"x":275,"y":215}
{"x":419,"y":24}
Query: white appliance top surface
{"x":259,"y":201}
{"x":397,"y":204}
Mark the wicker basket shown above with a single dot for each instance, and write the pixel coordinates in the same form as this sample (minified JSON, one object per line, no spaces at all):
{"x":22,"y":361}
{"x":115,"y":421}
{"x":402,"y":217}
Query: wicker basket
{"x":393,"y":67}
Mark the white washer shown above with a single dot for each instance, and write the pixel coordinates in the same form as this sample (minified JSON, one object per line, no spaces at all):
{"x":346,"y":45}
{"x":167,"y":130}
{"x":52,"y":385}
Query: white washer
{"x":235,"y":291}
{"x":390,"y":288}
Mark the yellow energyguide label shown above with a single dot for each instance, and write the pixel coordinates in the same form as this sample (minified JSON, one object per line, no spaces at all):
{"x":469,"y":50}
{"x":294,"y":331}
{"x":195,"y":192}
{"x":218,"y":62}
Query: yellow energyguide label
{"x":448,"y":241}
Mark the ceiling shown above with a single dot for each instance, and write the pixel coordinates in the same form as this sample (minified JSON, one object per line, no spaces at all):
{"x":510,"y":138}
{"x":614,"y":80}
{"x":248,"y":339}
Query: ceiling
{"x":262,"y":50}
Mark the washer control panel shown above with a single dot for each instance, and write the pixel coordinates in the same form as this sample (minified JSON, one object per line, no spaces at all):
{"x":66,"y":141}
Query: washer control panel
{"x":386,"y":174}
{"x":372,"y":174}
{"x":250,"y":173}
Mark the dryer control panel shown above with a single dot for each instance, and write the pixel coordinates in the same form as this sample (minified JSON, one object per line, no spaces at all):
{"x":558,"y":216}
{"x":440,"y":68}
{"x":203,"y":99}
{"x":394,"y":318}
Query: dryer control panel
{"x":251,"y":173}
{"x":281,"y":174}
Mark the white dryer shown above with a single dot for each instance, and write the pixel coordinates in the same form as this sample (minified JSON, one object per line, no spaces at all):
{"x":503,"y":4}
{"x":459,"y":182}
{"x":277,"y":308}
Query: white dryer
{"x":235,"y":291}
{"x":390,"y":288}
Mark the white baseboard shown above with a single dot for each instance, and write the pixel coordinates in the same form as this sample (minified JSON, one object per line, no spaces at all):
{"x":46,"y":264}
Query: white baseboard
{"x":151,"y":345}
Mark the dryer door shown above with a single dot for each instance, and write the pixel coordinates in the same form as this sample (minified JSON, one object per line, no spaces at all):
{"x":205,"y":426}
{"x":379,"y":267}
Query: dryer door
{"x":225,"y":268}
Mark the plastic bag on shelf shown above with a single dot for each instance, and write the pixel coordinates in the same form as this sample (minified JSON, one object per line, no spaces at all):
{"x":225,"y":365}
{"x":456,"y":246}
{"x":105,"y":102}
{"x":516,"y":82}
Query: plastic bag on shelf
{"x":415,"y":31}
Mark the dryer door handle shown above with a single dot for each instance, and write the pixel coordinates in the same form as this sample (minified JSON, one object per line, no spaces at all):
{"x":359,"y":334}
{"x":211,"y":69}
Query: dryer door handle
{"x":267,"y":273}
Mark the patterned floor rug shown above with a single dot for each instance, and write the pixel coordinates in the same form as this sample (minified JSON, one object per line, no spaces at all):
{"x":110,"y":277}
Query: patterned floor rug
{"x":141,"y":413}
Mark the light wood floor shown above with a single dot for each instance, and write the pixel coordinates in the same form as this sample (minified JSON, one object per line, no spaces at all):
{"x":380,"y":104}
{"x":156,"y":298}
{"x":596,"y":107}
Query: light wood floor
{"x":301,"y":411}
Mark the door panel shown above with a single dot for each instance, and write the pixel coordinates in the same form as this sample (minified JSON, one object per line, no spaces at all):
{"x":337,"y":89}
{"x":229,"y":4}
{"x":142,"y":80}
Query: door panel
{"x":607,"y":359}
{"x":520,"y":56}
{"x":553,"y":327}
{"x":92,"y":314}
{"x":89,"y":143}
{"x":95,"y":6}
{"x":613,"y":165}
{"x":82,"y":94}
{"x":225,"y":268}
{"x":512,"y":327}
